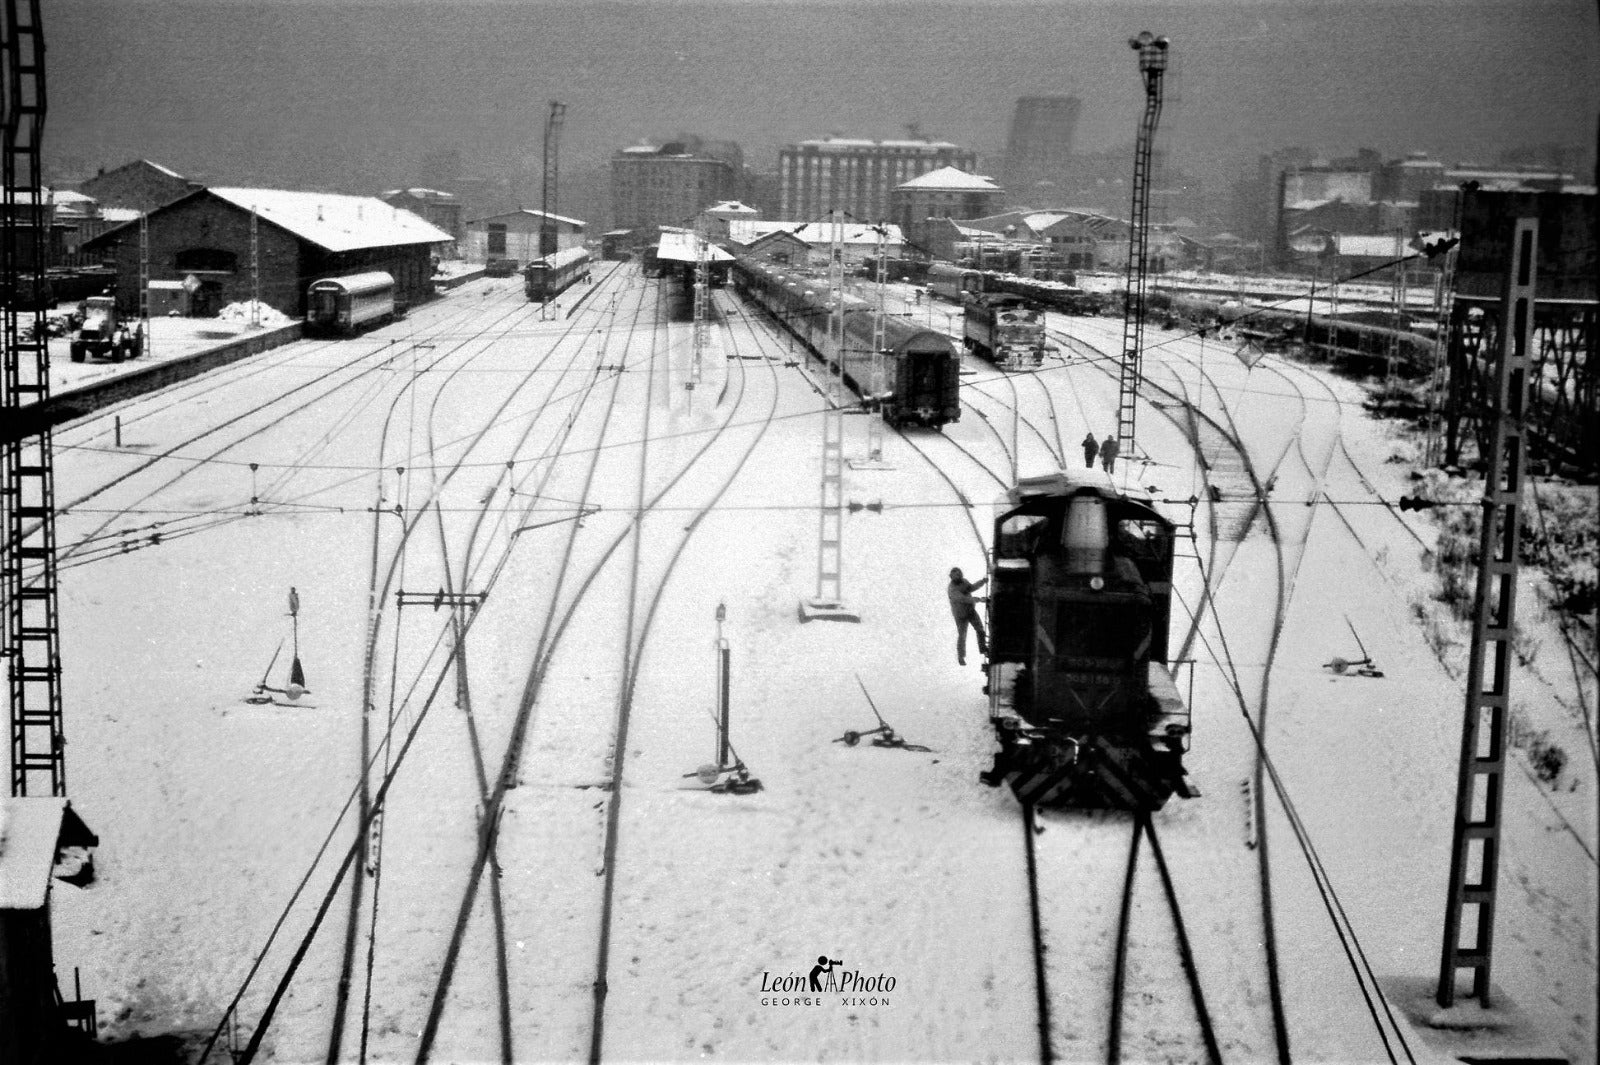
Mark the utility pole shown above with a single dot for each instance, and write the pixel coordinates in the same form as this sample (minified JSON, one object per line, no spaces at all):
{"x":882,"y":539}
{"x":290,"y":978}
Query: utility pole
{"x":1152,"y":66}
{"x":144,"y":265}
{"x":1475,"y":843}
{"x":552,"y":152}
{"x":1397,"y":297}
{"x":1444,"y":312}
{"x":828,"y":603}
{"x":255,"y":270}
{"x":702,"y":285}
{"x":879,"y":386}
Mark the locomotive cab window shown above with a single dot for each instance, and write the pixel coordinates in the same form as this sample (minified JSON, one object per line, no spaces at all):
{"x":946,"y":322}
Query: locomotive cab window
{"x":1019,"y":535}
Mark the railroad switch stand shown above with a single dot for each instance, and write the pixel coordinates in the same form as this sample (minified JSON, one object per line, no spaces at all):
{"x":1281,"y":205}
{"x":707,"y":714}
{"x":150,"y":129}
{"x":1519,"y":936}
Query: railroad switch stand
{"x":882,"y":736}
{"x":1361,"y":667}
{"x":728,"y":775}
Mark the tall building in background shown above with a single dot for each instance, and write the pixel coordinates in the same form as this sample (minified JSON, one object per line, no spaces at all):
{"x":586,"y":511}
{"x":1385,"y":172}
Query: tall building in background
{"x":857,"y":176}
{"x":1039,"y":149}
{"x":667,"y":185}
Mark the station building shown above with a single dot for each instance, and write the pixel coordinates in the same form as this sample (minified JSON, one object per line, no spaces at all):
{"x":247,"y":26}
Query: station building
{"x":667,"y":185}
{"x":515,"y":235}
{"x":204,"y":241}
{"x":138,"y":186}
{"x":442,"y":209}
{"x":943,"y":193}
{"x":781,"y":242}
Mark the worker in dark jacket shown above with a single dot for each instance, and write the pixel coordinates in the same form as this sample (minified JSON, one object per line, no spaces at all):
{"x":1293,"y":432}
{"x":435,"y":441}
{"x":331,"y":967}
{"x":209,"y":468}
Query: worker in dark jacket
{"x":1090,"y":447}
{"x":964,"y":607}
{"x":1108,"y":453}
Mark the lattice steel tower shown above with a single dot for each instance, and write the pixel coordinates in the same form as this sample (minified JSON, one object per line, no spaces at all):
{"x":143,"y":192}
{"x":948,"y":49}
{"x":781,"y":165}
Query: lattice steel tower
{"x":1152,"y":66}
{"x":552,"y":169}
{"x":27,"y":493}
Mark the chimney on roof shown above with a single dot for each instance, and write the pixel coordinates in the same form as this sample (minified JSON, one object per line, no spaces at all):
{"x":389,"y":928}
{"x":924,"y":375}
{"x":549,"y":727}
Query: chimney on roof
{"x":319,"y":212}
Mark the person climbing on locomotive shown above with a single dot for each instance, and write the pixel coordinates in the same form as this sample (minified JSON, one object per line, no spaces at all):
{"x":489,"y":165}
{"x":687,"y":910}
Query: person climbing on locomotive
{"x":964,"y":608}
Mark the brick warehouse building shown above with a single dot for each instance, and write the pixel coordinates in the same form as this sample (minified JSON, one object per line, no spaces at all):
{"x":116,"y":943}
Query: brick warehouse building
{"x":301,"y":237}
{"x":140,"y":185}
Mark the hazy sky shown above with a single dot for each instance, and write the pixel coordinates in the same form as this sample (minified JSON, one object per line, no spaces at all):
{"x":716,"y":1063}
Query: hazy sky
{"x":316,"y":90}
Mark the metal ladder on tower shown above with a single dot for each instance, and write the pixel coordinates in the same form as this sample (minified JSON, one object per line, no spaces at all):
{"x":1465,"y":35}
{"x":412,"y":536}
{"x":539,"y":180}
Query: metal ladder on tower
{"x":1152,"y":66}
{"x":27,"y":494}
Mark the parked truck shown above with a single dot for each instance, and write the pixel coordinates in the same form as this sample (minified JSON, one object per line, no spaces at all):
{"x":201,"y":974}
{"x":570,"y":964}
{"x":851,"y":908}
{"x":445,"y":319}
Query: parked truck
{"x":104,"y":335}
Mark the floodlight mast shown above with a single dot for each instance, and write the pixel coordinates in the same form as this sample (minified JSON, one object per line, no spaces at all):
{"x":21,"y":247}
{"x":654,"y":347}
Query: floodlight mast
{"x":1153,"y":54}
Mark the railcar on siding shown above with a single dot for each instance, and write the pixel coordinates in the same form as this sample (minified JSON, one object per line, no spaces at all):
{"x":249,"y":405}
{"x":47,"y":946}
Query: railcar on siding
{"x":340,"y":306}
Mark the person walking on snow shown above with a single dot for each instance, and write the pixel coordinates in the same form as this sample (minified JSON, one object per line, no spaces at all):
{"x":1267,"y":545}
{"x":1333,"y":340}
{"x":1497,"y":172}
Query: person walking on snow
{"x":1090,"y":446}
{"x":964,"y":607}
{"x":1108,"y":452}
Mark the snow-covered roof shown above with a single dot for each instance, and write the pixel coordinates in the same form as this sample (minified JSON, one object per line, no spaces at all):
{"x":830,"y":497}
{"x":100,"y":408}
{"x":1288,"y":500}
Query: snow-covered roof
{"x":64,"y":197}
{"x":679,"y":246}
{"x":1038,"y":220}
{"x":1371,"y":247}
{"x":165,"y":170}
{"x":118,"y":215}
{"x":534,"y":212}
{"x":31,"y":831}
{"x":421,"y":194}
{"x":863,"y":142}
{"x":733,"y":206}
{"x":334,"y":221}
{"x":750,"y":230}
{"x":950,"y":179}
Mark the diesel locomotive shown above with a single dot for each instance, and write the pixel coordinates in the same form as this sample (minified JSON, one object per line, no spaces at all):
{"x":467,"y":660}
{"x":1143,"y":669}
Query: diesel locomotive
{"x":1083,"y":705}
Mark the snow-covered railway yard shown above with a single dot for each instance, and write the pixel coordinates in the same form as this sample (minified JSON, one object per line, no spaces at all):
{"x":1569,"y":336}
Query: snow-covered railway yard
{"x":537,"y":890}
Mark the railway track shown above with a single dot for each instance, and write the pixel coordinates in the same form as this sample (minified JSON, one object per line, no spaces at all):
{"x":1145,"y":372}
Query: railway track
{"x":612,"y":573}
{"x":413,"y":518}
{"x":433,"y":662}
{"x":367,"y":376}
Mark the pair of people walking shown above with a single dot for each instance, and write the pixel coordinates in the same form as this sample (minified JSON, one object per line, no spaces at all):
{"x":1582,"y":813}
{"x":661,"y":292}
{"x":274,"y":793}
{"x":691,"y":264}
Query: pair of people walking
{"x":1107,"y":450}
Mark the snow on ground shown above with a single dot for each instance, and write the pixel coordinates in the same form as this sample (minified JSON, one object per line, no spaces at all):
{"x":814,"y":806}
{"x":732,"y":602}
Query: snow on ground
{"x":895,"y":863}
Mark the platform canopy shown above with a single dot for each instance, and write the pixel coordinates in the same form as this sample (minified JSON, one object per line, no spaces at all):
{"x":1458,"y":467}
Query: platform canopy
{"x":679,"y":247}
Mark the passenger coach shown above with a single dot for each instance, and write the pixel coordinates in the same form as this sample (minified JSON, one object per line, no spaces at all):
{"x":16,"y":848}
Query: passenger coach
{"x":547,"y":278}
{"x":921,"y":382}
{"x":345,"y":305}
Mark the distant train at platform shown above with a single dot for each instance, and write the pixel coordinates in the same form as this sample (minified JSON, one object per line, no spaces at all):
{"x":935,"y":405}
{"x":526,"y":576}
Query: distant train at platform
{"x":921,"y":383}
{"x":546,"y":278}
{"x":954,"y":283}
{"x":1084,"y":707}
{"x":960,"y":284}
{"x":341,"y":306}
